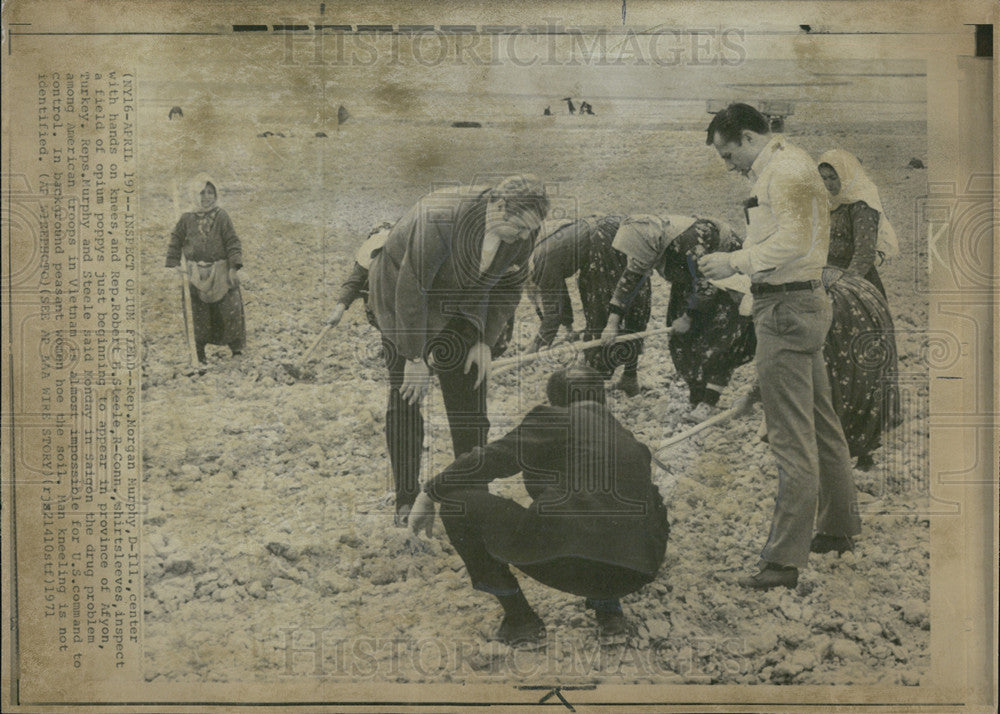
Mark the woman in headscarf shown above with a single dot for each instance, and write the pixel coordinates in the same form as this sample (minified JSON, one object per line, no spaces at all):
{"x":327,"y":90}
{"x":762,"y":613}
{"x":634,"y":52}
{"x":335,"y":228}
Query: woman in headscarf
{"x":356,"y":284}
{"x":861,"y":237}
{"x":583,"y":248}
{"x":710,"y":335}
{"x":214,"y":254}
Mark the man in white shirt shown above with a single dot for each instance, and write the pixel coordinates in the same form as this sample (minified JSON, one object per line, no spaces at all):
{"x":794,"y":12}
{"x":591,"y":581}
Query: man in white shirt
{"x":784,"y":253}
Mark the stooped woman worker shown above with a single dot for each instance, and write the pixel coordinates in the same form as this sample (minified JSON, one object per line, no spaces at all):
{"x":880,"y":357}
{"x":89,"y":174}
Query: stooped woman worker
{"x":213,"y":253}
{"x":861,"y":237}
{"x":583,"y":248}
{"x":860,"y":354}
{"x":711,"y":336}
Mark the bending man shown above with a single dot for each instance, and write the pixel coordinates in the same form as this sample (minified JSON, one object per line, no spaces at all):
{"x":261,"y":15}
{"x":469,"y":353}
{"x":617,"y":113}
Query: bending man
{"x":443,"y":288}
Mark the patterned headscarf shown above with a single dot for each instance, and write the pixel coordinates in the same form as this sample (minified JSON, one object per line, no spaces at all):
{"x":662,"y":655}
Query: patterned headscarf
{"x":856,"y":186}
{"x":205,"y":215}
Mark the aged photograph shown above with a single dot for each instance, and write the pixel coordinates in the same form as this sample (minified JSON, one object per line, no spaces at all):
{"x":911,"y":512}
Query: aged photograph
{"x":540,"y":351}
{"x":335,"y":205}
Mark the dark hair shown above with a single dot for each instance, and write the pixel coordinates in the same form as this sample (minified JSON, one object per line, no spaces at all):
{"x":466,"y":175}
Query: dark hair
{"x":214,"y":190}
{"x":827,"y":165}
{"x":522,"y":192}
{"x":732,"y":121}
{"x":575,"y":384}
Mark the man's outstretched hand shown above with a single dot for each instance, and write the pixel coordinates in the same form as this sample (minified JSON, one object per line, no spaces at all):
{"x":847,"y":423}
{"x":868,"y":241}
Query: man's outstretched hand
{"x":422,"y":515}
{"x":716,"y":266}
{"x":479,"y":355}
{"x":416,"y":381}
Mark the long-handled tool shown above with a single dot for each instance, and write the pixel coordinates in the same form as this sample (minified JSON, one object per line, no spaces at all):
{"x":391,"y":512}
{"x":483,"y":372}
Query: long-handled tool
{"x":568,"y":348}
{"x":299,"y":371}
{"x":188,"y":313}
{"x":194,"y":366}
{"x":742,"y":406}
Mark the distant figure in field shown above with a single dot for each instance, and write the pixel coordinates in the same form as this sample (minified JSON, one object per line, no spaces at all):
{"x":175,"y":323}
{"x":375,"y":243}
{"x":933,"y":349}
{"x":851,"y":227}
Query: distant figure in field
{"x":570,"y":105}
{"x":547,"y":112}
{"x":175,"y":112}
{"x":585,"y":108}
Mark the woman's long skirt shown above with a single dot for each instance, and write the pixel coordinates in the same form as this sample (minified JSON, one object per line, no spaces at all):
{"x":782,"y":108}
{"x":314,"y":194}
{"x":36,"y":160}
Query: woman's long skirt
{"x":860,"y":353}
{"x":718,"y":341}
{"x":219,"y":323}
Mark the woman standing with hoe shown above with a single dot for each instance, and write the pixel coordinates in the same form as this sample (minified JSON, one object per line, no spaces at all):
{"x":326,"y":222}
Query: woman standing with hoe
{"x":213,"y":254}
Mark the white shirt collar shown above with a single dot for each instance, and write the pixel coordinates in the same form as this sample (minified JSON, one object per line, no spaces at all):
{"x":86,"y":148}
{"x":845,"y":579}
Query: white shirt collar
{"x":776,"y":143}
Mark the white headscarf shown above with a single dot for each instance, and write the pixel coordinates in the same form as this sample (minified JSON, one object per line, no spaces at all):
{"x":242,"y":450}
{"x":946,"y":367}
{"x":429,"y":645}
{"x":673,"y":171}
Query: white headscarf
{"x":373,"y":243}
{"x":856,"y":186}
{"x":195,"y":188}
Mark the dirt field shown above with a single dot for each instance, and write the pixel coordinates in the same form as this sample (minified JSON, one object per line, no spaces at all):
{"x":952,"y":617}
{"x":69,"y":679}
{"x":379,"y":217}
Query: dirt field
{"x":264,"y":495}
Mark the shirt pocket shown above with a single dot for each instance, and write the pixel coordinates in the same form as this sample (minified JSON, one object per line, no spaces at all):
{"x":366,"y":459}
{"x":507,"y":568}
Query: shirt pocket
{"x":761,"y":224}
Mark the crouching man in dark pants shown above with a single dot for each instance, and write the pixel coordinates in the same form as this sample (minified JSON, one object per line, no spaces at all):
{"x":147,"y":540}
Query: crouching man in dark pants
{"x":596,"y":527}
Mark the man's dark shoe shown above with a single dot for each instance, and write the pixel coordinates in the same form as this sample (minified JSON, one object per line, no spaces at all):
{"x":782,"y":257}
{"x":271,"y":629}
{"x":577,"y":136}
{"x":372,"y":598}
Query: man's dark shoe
{"x":822,"y":543}
{"x":525,"y":633}
{"x":612,"y":628}
{"x":770,"y":576}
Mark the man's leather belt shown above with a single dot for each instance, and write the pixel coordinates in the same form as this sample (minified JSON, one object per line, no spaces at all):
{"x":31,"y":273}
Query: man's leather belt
{"x":765,"y":288}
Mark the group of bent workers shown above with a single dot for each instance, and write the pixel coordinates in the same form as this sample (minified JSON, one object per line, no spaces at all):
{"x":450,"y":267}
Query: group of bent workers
{"x":442,"y":285}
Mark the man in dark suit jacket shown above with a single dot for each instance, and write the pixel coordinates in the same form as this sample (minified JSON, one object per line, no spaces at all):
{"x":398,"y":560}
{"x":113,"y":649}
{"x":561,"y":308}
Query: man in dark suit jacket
{"x":597,"y":526}
{"x":442,"y":289}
